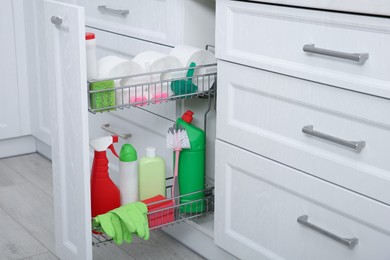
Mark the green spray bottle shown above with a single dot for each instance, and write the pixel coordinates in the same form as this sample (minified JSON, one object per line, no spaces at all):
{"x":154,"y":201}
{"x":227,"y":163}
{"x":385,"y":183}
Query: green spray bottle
{"x":192,"y":166}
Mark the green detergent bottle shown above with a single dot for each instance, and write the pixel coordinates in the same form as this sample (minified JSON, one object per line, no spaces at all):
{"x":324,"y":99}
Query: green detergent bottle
{"x":192,"y":166}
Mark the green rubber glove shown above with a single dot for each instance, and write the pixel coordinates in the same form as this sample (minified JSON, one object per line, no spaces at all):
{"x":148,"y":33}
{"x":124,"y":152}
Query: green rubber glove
{"x":104,"y":221}
{"x":144,"y":211}
{"x":125,"y":231}
{"x":116,"y":223}
{"x":112,"y":226}
{"x":134,"y":216}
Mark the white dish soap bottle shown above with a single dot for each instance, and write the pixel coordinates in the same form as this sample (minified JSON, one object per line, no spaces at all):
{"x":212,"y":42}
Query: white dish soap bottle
{"x":128,"y":169}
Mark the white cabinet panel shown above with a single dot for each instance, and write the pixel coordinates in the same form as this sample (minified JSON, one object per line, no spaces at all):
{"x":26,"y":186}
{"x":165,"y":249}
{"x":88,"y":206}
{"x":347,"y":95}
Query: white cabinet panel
{"x":274,"y":38}
{"x":70,"y":139}
{"x":265,"y":112}
{"x":167,"y":22}
{"x":9,"y":95}
{"x":37,"y":73}
{"x":258,"y":202}
{"x":153,"y":20}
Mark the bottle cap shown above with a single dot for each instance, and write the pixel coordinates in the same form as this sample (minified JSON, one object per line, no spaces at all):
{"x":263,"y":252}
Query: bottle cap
{"x":187,"y":116}
{"x":128,"y":153}
{"x":89,"y":36}
{"x":150,"y":152}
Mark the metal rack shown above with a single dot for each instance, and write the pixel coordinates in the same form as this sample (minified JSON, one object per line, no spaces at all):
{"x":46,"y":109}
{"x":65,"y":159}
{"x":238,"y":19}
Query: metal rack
{"x":153,"y":88}
{"x":179,"y":212}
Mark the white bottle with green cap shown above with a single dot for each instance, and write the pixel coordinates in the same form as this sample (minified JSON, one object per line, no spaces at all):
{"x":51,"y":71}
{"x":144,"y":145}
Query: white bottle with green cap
{"x":128,"y":170}
{"x":151,"y":175}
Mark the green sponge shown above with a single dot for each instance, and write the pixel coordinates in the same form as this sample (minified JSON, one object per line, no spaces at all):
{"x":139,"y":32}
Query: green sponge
{"x":105,"y":98}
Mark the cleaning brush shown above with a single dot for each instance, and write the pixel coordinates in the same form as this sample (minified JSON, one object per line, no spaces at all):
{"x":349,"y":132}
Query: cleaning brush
{"x":177,"y":139}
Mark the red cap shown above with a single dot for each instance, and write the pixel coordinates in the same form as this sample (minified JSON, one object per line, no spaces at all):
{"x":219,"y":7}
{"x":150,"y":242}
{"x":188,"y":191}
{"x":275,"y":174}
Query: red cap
{"x":114,"y":138}
{"x":89,"y":36}
{"x":187,"y":116}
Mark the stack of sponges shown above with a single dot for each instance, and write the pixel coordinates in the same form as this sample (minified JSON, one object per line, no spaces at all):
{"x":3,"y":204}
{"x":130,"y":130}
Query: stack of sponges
{"x":123,"y":222}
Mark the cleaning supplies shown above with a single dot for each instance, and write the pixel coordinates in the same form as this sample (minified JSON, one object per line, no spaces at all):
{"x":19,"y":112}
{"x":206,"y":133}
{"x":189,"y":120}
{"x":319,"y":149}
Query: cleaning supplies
{"x":110,"y":224}
{"x":128,"y":171}
{"x":104,"y":99}
{"x":122,"y":222}
{"x":112,"y":67}
{"x":105,"y":195}
{"x":90,"y":42}
{"x":151,"y":175}
{"x":192,"y":166}
{"x":185,"y":86}
{"x":160,"y":210}
{"x":134,"y":216}
{"x":177,"y":139}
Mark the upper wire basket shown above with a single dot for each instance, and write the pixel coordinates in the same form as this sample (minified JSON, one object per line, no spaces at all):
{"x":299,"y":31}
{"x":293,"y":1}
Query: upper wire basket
{"x":152,"y":88}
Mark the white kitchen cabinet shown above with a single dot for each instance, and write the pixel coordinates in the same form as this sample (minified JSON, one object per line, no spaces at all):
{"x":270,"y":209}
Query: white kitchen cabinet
{"x":73,"y":126}
{"x":120,"y":36}
{"x":262,"y":223}
{"x":9,"y":97}
{"x":300,"y":134}
{"x":283,"y":114}
{"x":275,"y":37}
{"x":15,"y":131}
{"x":167,"y":22}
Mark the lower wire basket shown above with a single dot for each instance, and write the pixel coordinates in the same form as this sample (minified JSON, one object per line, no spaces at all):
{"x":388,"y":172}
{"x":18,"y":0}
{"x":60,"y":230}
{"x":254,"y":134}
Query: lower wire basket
{"x":169,"y":211}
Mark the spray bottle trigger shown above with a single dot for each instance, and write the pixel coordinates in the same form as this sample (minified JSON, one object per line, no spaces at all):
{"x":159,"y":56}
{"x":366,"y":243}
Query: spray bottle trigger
{"x":112,"y":148}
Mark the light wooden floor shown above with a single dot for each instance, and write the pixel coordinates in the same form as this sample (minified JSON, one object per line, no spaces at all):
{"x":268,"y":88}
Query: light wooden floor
{"x":26,"y":218}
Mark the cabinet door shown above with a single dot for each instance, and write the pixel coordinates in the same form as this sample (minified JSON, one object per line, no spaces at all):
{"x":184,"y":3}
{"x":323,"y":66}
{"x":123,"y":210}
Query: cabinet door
{"x":69,"y":120}
{"x":9,"y":100}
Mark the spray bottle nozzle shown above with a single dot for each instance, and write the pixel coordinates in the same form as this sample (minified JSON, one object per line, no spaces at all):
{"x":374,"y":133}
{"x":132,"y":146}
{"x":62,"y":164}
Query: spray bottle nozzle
{"x":103,"y":143}
{"x":111,"y":147}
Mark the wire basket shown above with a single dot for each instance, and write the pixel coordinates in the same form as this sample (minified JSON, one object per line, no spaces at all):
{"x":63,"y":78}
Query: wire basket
{"x":152,"y":88}
{"x":170,"y":211}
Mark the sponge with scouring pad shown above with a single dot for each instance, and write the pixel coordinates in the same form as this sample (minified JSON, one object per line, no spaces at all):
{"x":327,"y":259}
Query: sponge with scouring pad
{"x":105,"y":98}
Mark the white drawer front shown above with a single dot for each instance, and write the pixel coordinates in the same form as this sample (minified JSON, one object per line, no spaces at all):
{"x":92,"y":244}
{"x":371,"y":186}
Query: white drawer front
{"x":258,"y":202}
{"x":152,"y":20}
{"x":265,"y":112}
{"x":272,"y":38}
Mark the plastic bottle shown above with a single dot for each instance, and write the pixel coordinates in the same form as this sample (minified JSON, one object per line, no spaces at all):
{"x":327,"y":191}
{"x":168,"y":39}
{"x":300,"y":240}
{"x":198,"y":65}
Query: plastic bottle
{"x":92,"y":72}
{"x":105,"y":195}
{"x":151,"y":175}
{"x":192,"y":165}
{"x":128,"y":170}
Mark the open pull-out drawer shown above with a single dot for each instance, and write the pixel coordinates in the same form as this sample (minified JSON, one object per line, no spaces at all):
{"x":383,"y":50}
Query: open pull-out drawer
{"x":65,"y":30}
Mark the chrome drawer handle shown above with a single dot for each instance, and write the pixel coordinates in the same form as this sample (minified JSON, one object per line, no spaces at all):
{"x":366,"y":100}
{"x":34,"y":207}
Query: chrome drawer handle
{"x":109,"y":129}
{"x":105,"y":9}
{"x":349,"y":242}
{"x":356,"y":145}
{"x":359,"y":57}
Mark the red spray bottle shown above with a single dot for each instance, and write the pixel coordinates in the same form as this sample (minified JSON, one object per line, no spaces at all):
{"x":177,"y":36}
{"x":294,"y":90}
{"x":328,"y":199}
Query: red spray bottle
{"x":105,"y":195}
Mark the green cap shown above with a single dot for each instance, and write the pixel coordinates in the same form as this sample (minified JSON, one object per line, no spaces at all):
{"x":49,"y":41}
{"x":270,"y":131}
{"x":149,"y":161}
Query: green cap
{"x":128,"y":153}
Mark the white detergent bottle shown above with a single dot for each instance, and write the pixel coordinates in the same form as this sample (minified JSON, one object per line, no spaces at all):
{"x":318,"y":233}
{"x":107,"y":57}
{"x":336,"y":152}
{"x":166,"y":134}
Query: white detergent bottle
{"x":92,"y":70}
{"x":128,"y":170}
{"x":151,"y":175}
